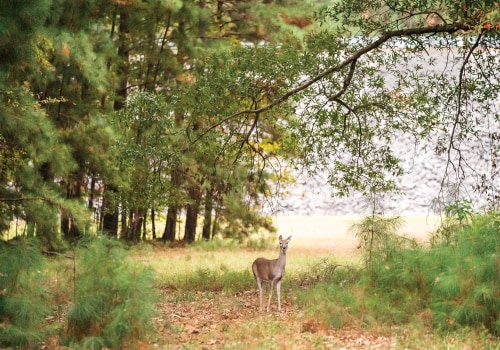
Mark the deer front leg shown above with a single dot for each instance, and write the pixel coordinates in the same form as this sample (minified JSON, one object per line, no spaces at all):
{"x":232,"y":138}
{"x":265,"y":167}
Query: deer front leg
{"x":270,"y":295}
{"x":278,"y":290}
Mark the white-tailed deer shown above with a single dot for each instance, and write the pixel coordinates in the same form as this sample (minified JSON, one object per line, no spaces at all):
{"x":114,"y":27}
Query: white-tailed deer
{"x":271,"y":271}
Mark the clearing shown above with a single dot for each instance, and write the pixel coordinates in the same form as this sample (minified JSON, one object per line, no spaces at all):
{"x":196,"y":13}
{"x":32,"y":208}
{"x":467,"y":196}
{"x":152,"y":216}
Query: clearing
{"x":204,"y":318}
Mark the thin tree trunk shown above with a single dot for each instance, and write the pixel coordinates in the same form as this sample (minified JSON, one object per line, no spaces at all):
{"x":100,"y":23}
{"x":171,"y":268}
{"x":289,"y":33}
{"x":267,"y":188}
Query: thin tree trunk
{"x":192,"y":212}
{"x":68,"y":226}
{"x":130,"y":229}
{"x":144,"y":224}
{"x":173,"y":211}
{"x":215,"y":222}
{"x":124,"y":223}
{"x":153,"y":226}
{"x":207,"y":222}
{"x":109,"y":212}
{"x":110,"y":219}
{"x":92,"y":195}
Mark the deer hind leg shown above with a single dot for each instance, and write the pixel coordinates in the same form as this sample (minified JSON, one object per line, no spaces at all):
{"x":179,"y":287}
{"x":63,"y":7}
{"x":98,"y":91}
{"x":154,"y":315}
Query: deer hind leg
{"x":270,"y":294}
{"x":259,"y":284}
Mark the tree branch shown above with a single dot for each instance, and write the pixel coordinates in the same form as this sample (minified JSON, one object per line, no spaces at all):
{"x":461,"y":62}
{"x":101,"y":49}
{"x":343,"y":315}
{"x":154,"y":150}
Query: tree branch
{"x":456,"y":122}
{"x":351,"y":60}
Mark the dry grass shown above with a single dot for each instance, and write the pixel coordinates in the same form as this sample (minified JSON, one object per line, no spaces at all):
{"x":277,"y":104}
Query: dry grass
{"x":208,"y":317}
{"x":198,"y":311}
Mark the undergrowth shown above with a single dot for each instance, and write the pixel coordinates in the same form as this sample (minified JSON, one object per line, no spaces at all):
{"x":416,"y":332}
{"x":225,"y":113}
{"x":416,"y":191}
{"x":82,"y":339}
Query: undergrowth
{"x":99,"y":298}
{"x":113,"y":300}
{"x":450,"y":285}
{"x":23,"y":298}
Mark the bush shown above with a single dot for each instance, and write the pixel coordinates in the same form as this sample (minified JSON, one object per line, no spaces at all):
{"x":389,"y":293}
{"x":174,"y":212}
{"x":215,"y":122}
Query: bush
{"x":458,"y":282}
{"x":467,"y":291}
{"x":113,"y":299}
{"x":23,"y":299}
{"x":452,"y":284}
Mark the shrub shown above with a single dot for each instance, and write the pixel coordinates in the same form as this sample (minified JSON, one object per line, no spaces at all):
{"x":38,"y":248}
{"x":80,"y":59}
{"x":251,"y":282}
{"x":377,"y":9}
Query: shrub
{"x":113,"y":298}
{"x":458,"y":282}
{"x":447,"y":285}
{"x":467,"y":291}
{"x":22,"y":296}
{"x":377,"y":237}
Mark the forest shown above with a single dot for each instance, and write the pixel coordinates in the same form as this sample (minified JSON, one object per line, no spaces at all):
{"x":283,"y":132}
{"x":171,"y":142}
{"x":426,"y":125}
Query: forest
{"x":173,"y":122}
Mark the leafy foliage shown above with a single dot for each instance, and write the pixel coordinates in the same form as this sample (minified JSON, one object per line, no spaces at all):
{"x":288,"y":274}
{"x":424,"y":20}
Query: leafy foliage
{"x":196,"y":106}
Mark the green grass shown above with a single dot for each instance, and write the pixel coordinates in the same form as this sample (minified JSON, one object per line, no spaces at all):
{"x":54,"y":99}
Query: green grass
{"x":419,"y":296}
{"x":226,"y":268}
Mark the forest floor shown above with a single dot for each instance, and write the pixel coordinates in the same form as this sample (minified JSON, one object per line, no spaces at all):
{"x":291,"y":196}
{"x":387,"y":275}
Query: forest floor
{"x":215,"y":319}
{"x":233,"y":321}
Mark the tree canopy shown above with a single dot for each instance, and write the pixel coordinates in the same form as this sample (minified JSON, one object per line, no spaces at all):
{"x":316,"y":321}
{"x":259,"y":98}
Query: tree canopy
{"x":128,"y":108}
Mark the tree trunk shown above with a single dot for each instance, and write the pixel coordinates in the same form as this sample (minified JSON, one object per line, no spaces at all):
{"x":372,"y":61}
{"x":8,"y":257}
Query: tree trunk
{"x":136,"y":219}
{"x":123,"y":65}
{"x":46,"y":217}
{"x":170,"y":225}
{"x":110,"y":215}
{"x":124,"y":223}
{"x":153,"y":226}
{"x":144,"y":225}
{"x":191,"y":222}
{"x":109,"y":212}
{"x":92,"y":196}
{"x":173,"y":210}
{"x":207,"y":222}
{"x":215,"y":221}
{"x":192,"y":212}
{"x":68,"y":227}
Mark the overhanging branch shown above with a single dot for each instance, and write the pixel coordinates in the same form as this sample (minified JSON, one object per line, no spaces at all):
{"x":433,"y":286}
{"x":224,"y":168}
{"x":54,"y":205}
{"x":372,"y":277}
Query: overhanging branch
{"x":351,"y":60}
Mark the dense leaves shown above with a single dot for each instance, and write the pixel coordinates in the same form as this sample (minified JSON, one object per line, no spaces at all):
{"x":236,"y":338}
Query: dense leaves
{"x":129,"y":109}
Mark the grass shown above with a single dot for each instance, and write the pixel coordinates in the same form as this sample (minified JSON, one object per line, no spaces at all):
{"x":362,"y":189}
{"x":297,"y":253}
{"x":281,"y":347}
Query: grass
{"x":226,"y":269}
{"x":327,"y":301}
{"x":209,"y":299}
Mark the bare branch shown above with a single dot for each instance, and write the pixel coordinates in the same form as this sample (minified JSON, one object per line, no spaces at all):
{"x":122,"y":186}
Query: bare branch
{"x":452,"y":146}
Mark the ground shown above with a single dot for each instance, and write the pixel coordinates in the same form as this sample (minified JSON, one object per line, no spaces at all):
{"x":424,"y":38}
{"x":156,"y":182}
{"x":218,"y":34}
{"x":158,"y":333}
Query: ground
{"x":221,"y":320}
{"x":234,"y":322}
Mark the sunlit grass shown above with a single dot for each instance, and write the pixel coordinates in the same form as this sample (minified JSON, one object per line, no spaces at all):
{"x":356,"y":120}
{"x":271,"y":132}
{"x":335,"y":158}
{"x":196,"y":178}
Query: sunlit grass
{"x":226,"y":269}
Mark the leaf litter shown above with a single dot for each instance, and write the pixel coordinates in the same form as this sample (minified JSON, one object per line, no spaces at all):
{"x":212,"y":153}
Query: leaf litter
{"x":208,"y":320}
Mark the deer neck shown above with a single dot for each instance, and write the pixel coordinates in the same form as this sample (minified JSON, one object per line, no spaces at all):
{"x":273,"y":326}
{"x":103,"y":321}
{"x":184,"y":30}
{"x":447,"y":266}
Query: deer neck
{"x":281,"y":261}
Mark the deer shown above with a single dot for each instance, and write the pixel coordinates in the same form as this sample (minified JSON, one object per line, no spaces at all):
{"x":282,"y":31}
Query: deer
{"x":272,"y":271}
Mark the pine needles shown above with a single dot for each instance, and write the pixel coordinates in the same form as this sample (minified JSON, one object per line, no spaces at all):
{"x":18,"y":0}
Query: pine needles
{"x":451,"y":285}
{"x":113,"y":299}
{"x":22,"y":298}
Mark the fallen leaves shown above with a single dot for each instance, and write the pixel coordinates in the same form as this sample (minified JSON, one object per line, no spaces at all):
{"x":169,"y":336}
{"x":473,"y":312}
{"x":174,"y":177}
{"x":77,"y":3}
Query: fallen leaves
{"x":226,"y":320}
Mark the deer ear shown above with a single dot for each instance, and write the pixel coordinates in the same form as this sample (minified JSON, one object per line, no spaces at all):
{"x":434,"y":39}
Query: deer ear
{"x":289,"y":238}
{"x":280,"y":238}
